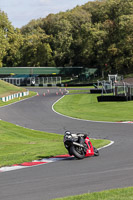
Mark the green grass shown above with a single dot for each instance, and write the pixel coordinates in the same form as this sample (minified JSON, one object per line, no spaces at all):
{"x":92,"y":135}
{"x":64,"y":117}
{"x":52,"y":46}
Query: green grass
{"x":86,"y":106}
{"x":18,"y":144}
{"x":78,"y":87}
{"x":7,"y":89}
{"x":128,"y":75}
{"x":78,"y":91}
{"x":31,"y":94}
{"x":115,"y":194}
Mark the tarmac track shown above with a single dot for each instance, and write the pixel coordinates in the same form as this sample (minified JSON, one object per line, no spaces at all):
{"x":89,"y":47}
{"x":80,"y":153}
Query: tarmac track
{"x":112,"y":169}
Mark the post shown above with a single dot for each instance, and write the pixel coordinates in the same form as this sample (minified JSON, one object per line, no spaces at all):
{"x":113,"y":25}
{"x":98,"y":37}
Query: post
{"x":116,"y":94}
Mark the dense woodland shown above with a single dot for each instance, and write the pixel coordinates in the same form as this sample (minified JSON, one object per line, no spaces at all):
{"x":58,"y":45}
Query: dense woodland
{"x":97,"y":34}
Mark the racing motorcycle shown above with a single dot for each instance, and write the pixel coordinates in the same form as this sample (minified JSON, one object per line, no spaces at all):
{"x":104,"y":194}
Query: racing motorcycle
{"x":79,"y":145}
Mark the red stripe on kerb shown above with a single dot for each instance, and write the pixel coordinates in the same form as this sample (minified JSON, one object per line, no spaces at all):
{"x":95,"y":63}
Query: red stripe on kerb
{"x":32,"y":163}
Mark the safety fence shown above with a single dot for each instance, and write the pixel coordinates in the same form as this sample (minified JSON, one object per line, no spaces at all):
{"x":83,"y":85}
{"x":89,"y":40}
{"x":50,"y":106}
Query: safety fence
{"x":123,"y":89}
{"x":34,"y":81}
{"x":13,"y":96}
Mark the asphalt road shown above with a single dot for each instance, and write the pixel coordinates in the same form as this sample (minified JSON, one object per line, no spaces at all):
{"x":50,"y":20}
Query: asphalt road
{"x":112,"y":169}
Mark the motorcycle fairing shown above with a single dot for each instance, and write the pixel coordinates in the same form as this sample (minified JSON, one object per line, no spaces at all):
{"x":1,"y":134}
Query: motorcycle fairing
{"x":90,"y":150}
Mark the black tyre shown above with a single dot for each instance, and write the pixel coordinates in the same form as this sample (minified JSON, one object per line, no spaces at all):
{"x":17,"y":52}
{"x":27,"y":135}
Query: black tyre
{"x":96,"y":152}
{"x":78,"y":152}
{"x":69,"y":151}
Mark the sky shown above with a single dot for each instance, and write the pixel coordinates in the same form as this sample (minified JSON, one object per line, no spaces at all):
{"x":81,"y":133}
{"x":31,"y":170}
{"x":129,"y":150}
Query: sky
{"x":20,"y":12}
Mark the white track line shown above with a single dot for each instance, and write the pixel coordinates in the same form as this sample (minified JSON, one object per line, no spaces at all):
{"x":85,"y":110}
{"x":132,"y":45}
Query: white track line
{"x":82,"y":119}
{"x":11,"y":168}
{"x":44,"y":161}
{"x":17,"y":101}
{"x":111,"y":143}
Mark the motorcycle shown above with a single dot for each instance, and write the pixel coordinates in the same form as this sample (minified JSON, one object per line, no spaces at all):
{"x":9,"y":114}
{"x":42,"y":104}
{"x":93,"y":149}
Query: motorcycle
{"x":79,"y":145}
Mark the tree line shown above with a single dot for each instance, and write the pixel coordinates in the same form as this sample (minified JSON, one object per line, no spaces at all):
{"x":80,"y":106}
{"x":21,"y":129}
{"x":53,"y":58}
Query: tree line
{"x":98,"y":34}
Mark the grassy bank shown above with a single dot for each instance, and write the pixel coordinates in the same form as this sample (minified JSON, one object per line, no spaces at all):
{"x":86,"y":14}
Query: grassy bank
{"x":31,"y":94}
{"x":86,"y":106}
{"x":18,"y":144}
{"x":115,"y":194}
{"x":8,"y":89}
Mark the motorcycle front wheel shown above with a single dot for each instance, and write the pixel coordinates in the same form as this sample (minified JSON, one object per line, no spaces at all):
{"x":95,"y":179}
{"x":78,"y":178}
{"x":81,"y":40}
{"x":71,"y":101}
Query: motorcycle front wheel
{"x":96,"y":152}
{"x":78,"y":152}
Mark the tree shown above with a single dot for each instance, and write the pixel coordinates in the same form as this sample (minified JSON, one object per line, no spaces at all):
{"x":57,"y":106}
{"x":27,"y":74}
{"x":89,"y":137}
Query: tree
{"x":4,"y":43}
{"x":124,"y":60}
{"x":36,"y":50}
{"x":96,"y":34}
{"x":62,"y":42}
{"x":13,"y":55}
{"x":10,"y":41}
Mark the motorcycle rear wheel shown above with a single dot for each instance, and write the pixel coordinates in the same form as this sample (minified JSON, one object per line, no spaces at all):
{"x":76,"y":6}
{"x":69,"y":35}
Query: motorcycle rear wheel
{"x":78,"y":152}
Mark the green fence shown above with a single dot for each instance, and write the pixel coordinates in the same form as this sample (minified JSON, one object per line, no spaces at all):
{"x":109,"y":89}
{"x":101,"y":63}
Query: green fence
{"x":67,"y":71}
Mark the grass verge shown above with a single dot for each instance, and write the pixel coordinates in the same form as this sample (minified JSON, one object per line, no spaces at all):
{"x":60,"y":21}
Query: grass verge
{"x":18,"y":144}
{"x":8,"y":89}
{"x":78,"y":91}
{"x":31,"y":94}
{"x":114,"y":194}
{"x":86,"y":106}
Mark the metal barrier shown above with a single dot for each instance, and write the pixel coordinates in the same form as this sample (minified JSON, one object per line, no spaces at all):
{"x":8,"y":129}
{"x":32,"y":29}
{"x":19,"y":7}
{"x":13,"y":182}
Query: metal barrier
{"x":34,"y":81}
{"x":123,"y":89}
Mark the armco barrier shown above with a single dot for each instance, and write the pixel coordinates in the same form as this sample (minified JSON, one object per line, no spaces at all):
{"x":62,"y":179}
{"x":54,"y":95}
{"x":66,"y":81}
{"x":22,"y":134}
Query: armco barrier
{"x":100,"y":91}
{"x":112,"y":98}
{"x":13,"y":96}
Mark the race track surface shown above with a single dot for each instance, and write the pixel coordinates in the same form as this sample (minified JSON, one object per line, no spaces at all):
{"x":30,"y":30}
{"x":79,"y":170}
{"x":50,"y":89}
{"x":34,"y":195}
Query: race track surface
{"x":112,"y":169}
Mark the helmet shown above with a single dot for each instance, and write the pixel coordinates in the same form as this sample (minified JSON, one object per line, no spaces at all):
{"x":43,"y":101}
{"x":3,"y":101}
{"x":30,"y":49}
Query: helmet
{"x":68,"y":133}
